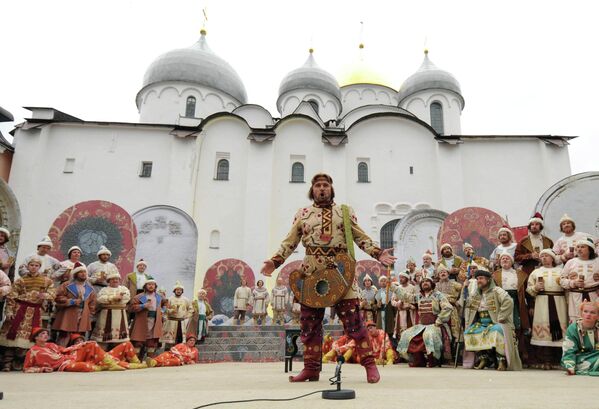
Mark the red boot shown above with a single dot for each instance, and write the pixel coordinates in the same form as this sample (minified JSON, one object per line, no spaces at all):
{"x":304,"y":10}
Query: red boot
{"x":309,"y":375}
{"x":372,"y":373}
{"x":311,"y":371}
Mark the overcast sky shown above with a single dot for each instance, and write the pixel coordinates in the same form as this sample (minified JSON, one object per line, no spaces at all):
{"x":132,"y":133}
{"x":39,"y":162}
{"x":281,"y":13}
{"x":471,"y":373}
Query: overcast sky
{"x":525,"y":67}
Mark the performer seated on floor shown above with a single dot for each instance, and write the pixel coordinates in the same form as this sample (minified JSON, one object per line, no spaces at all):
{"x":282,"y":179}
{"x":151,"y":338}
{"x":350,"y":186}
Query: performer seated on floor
{"x":123,"y":353}
{"x":581,"y":344}
{"x":344,"y":345}
{"x":46,"y":356}
{"x":382,"y":348}
{"x":184,"y":353}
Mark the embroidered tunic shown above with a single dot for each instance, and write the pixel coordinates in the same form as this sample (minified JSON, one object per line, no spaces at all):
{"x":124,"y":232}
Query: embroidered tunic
{"x":179,"y":311}
{"x":573,"y":269}
{"x":320,"y":229}
{"x":111,"y":324}
{"x":550,"y":318}
{"x":581,"y":349}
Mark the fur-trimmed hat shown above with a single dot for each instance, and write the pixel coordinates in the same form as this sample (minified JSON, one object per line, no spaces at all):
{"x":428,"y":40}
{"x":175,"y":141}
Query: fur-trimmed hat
{"x":178,"y":285}
{"x":77,"y":267}
{"x":73,"y":248}
{"x":550,"y":252}
{"x":383,"y":277}
{"x":113,"y":274}
{"x":505,"y":253}
{"x":445,"y":245}
{"x":46,"y":241}
{"x":5,"y":231}
{"x":428,"y":253}
{"x":35,"y":258}
{"x":367,"y":277}
{"x":506,"y":229}
{"x":150,"y":281}
{"x":404,"y":274}
{"x":482,"y":273}
{"x":103,"y":250}
{"x":141,"y":261}
{"x":586,"y":242}
{"x":467,"y":246}
{"x":537,"y":218}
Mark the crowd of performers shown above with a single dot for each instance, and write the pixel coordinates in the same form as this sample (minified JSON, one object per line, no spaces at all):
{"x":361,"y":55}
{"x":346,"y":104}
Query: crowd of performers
{"x":532,"y":303}
{"x":98,"y":322}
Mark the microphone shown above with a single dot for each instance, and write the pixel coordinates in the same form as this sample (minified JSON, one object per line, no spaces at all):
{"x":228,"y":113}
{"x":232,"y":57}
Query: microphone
{"x":340,"y":361}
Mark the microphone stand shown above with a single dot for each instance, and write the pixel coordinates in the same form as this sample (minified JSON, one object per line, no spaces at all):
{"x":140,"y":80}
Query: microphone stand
{"x":338,"y":394}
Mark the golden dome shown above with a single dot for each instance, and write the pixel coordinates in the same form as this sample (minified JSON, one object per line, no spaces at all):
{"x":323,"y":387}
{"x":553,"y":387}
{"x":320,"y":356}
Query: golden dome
{"x":359,"y":72}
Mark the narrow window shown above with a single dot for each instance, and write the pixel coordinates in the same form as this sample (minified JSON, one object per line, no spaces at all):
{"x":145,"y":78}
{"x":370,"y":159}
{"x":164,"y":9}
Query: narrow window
{"x":214,"y":239}
{"x":362,"y":172}
{"x":222,"y":170}
{"x":411,"y":170}
{"x":190,"y":107}
{"x":146,"y":170}
{"x":437,"y":117}
{"x":69,"y":165}
{"x":387,"y":234}
{"x":297,"y":172}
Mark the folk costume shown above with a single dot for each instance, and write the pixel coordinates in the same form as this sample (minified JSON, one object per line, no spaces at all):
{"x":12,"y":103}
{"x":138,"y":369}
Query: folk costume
{"x":430,"y":336}
{"x":573,"y":270}
{"x":581,"y":349}
{"x":259,"y":301}
{"x":146,"y":328}
{"x":367,"y":300}
{"x":406,"y":312}
{"x":178,"y":313}
{"x":280,"y":301}
{"x":112,"y":326}
{"x":567,"y":243}
{"x":135,"y":281}
{"x":321,"y":230}
{"x":49,"y":263}
{"x":99,"y":270}
{"x":202,"y":313}
{"x":23,"y":312}
{"x":83,"y":357}
{"x":489,"y":321}
{"x":344,"y":345}
{"x":382,"y":348}
{"x":64,"y":273}
{"x":71,"y":317}
{"x":452,"y":290}
{"x":241,"y":301}
{"x":531,"y":244}
{"x":550,"y":319}
{"x":451,"y":262}
{"x":514,"y":282}
{"x":385,"y":311}
{"x":178,"y":355}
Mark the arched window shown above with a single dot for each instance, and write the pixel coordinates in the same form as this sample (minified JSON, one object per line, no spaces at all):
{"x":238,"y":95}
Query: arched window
{"x":387,"y":234}
{"x":190,"y":107}
{"x":297,"y":172}
{"x":314,"y":104}
{"x":362,"y":172}
{"x":437,"y":117}
{"x":222,"y":170}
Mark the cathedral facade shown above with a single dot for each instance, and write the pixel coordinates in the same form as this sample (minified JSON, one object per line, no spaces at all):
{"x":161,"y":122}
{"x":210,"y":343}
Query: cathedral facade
{"x":238,"y":173}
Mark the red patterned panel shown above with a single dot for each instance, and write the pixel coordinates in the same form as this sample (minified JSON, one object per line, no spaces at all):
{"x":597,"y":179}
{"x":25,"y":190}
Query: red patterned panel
{"x":92,"y":224}
{"x":519,"y":233}
{"x":221,"y":281}
{"x":475,"y":225}
{"x":371,"y":267}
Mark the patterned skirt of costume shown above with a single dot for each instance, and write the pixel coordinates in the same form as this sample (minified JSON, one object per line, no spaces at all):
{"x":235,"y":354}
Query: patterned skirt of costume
{"x":542,"y":333}
{"x":431,"y":335}
{"x":174,"y":331}
{"x":111,"y":326}
{"x":484,"y":335}
{"x":15,"y":331}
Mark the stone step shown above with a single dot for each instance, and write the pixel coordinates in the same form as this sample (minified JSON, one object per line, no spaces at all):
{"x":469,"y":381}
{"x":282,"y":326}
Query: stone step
{"x":251,"y":343}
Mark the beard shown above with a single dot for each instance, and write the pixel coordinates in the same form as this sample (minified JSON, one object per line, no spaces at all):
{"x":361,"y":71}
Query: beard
{"x":322,"y":198}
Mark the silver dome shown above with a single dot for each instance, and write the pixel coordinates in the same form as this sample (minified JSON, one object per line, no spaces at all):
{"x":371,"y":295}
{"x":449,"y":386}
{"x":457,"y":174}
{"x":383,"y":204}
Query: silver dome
{"x":427,"y":77}
{"x":199,"y":65}
{"x":310,"y":76}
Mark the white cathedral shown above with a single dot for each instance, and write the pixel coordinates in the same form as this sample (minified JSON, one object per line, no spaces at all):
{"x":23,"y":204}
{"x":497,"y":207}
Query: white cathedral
{"x":238,"y":173}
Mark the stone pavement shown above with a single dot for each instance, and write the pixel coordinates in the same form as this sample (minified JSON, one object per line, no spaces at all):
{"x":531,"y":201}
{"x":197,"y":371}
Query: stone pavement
{"x":400,"y":387}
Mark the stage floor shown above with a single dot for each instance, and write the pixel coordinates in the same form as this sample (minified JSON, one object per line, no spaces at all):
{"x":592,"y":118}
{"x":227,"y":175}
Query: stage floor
{"x":400,"y":387}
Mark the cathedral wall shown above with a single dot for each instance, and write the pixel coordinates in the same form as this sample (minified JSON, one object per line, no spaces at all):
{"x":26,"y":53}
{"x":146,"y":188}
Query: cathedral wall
{"x":328,"y":106}
{"x":354,"y":96}
{"x":106,"y":166}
